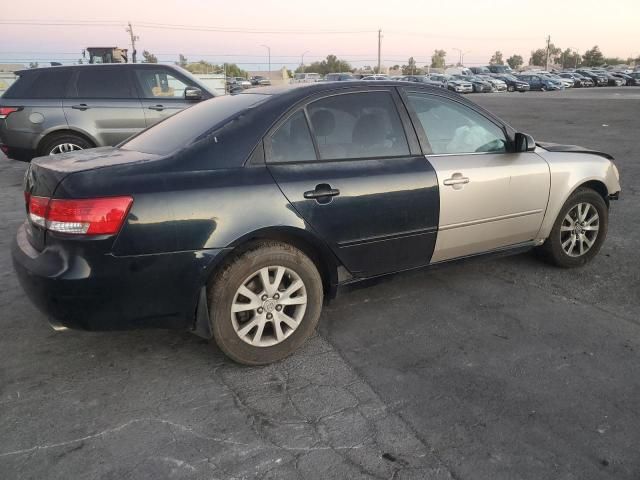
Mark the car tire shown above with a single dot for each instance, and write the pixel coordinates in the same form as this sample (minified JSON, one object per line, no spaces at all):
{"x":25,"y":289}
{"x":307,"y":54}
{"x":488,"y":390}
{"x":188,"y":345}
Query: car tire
{"x":247,"y":328}
{"x":511,"y":88}
{"x":543,"y":88}
{"x":558,"y":249}
{"x":64,"y":142}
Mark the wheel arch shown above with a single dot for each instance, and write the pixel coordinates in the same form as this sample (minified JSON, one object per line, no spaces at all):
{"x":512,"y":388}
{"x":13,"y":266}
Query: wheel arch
{"x":330,"y":268}
{"x":62,"y":131}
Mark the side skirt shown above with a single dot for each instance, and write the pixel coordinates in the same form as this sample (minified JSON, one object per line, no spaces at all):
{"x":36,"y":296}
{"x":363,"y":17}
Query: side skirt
{"x":516,"y":249}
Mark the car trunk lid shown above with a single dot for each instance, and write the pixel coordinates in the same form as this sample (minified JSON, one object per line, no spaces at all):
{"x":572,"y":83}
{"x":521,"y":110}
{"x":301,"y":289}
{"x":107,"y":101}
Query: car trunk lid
{"x":45,"y":174}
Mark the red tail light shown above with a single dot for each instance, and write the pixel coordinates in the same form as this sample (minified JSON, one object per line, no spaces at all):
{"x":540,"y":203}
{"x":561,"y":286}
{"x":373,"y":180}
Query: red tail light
{"x":6,"y":111}
{"x":95,"y":216}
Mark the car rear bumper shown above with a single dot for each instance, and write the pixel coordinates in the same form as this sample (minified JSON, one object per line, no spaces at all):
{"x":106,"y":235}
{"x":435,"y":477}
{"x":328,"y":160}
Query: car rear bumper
{"x":80,"y":290}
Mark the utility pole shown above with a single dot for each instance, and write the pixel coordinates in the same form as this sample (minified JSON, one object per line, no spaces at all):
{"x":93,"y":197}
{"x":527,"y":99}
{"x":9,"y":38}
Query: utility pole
{"x":133,"y":42}
{"x":379,"y":48}
{"x":548,"y":44}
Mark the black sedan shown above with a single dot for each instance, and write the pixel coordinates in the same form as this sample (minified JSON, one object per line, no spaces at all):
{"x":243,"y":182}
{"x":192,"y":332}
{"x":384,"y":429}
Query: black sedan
{"x":235,"y":218}
{"x":514,"y":84}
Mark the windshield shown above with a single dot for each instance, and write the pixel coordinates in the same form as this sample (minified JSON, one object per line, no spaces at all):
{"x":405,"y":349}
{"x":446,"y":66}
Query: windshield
{"x":183,"y":128}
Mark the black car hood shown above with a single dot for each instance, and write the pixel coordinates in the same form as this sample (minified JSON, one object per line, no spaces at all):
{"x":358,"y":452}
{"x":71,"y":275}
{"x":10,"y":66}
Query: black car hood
{"x":556,"y":147}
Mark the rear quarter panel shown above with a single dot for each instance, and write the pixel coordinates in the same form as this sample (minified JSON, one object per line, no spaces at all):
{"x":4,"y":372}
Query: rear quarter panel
{"x":25,"y":129}
{"x":568,"y":172}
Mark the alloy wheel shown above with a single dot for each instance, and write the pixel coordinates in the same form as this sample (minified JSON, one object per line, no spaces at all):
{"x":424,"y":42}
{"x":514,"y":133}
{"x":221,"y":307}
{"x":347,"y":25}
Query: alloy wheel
{"x":269,"y":306}
{"x":64,"y":148}
{"x":579,"y":229}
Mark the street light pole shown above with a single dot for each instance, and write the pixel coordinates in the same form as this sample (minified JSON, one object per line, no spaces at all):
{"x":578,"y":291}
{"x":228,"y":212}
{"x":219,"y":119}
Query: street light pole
{"x":269,"y":55}
{"x":459,"y":55}
{"x":302,"y":59}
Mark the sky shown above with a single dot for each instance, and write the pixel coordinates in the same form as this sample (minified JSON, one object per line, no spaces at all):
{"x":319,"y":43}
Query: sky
{"x":347,"y":28}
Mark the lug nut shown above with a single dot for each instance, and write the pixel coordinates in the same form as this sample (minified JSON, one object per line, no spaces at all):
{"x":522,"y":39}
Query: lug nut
{"x":278,"y":307}
{"x":269,"y":316}
{"x":260,"y":310}
{"x":264,"y":297}
{"x":276,"y":296}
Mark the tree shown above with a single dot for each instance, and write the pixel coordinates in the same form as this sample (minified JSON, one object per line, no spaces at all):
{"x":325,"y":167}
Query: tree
{"x":570,"y":59}
{"x":539,"y":56}
{"x":149,"y":57}
{"x":496,"y":59}
{"x":515,"y":61}
{"x":614,"y":61}
{"x":438,"y":59}
{"x":395,"y":67}
{"x":182,"y":61}
{"x":411,"y":68}
{"x":593,"y":57}
{"x":331,"y":64}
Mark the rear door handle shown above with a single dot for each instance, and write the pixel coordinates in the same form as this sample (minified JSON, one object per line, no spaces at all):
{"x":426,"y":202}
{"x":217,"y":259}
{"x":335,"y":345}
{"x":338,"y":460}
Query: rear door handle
{"x":157,"y":108}
{"x":82,"y":106}
{"x":456,"y":181}
{"x":322,"y":193}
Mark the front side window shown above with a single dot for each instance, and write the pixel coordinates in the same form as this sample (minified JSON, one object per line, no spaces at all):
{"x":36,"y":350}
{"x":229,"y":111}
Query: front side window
{"x":98,"y":82}
{"x":357,"y":125}
{"x":159,"y":83}
{"x":292,"y":141}
{"x":454,"y":128}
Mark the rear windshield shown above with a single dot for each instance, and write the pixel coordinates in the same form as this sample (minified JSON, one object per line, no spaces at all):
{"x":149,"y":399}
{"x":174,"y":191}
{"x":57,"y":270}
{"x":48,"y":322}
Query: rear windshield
{"x":183,"y":128}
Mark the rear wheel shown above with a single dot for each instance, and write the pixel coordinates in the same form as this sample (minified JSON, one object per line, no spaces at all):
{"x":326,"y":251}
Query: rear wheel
{"x":265,"y":303}
{"x":511,"y":88}
{"x":579,"y":230}
{"x":63,"y":143}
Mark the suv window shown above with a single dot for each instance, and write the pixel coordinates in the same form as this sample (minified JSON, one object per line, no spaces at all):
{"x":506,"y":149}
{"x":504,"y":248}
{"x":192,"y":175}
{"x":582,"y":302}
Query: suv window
{"x":292,"y":141}
{"x":160,"y":83}
{"x":454,"y":128}
{"x":40,"y":84}
{"x":99,"y":82}
{"x":357,"y":125}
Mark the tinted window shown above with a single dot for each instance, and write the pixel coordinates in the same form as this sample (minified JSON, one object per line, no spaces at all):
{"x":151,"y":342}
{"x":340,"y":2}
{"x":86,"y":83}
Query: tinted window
{"x":292,"y":141}
{"x":454,"y":128}
{"x":101,"y":82}
{"x":40,"y":84}
{"x":192,"y":124}
{"x":358,"y":125}
{"x":160,"y":83}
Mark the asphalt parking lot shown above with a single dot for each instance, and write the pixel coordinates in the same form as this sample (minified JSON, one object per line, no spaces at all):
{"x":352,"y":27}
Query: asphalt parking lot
{"x":492,"y":369}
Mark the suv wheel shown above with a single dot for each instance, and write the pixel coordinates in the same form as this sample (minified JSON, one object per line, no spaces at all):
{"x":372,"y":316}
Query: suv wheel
{"x":63,"y":143}
{"x":265,"y":303}
{"x":579,"y":230}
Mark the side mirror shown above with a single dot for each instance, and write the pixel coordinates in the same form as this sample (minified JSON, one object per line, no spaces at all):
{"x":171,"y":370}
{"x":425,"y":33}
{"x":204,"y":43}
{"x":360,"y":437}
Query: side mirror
{"x":192,"y":93}
{"x":524,"y":143}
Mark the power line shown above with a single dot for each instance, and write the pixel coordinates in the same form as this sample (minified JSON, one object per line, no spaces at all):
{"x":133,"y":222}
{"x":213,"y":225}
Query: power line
{"x":169,"y":26}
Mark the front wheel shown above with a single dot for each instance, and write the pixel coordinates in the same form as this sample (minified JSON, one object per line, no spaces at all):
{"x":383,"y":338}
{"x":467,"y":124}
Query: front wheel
{"x":265,"y":303}
{"x":579,"y":231}
{"x":511,"y":88}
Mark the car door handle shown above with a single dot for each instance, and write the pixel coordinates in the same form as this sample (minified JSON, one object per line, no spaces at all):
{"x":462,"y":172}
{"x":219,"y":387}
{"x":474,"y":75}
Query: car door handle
{"x":157,"y":108}
{"x":322,"y":192}
{"x":456,"y":181}
{"x":82,"y":106}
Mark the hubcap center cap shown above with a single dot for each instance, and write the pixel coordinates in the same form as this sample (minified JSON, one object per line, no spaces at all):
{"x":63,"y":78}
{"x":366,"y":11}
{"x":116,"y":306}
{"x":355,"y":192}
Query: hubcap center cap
{"x":270,"y":305}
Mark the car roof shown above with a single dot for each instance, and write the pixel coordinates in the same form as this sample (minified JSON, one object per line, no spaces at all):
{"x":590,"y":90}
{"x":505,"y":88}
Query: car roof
{"x":96,"y":65}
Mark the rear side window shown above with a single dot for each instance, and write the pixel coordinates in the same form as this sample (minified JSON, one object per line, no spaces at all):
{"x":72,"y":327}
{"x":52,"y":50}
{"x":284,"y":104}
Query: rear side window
{"x":292,"y":141}
{"x":358,"y":125}
{"x":40,"y":84}
{"x":101,"y":82}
